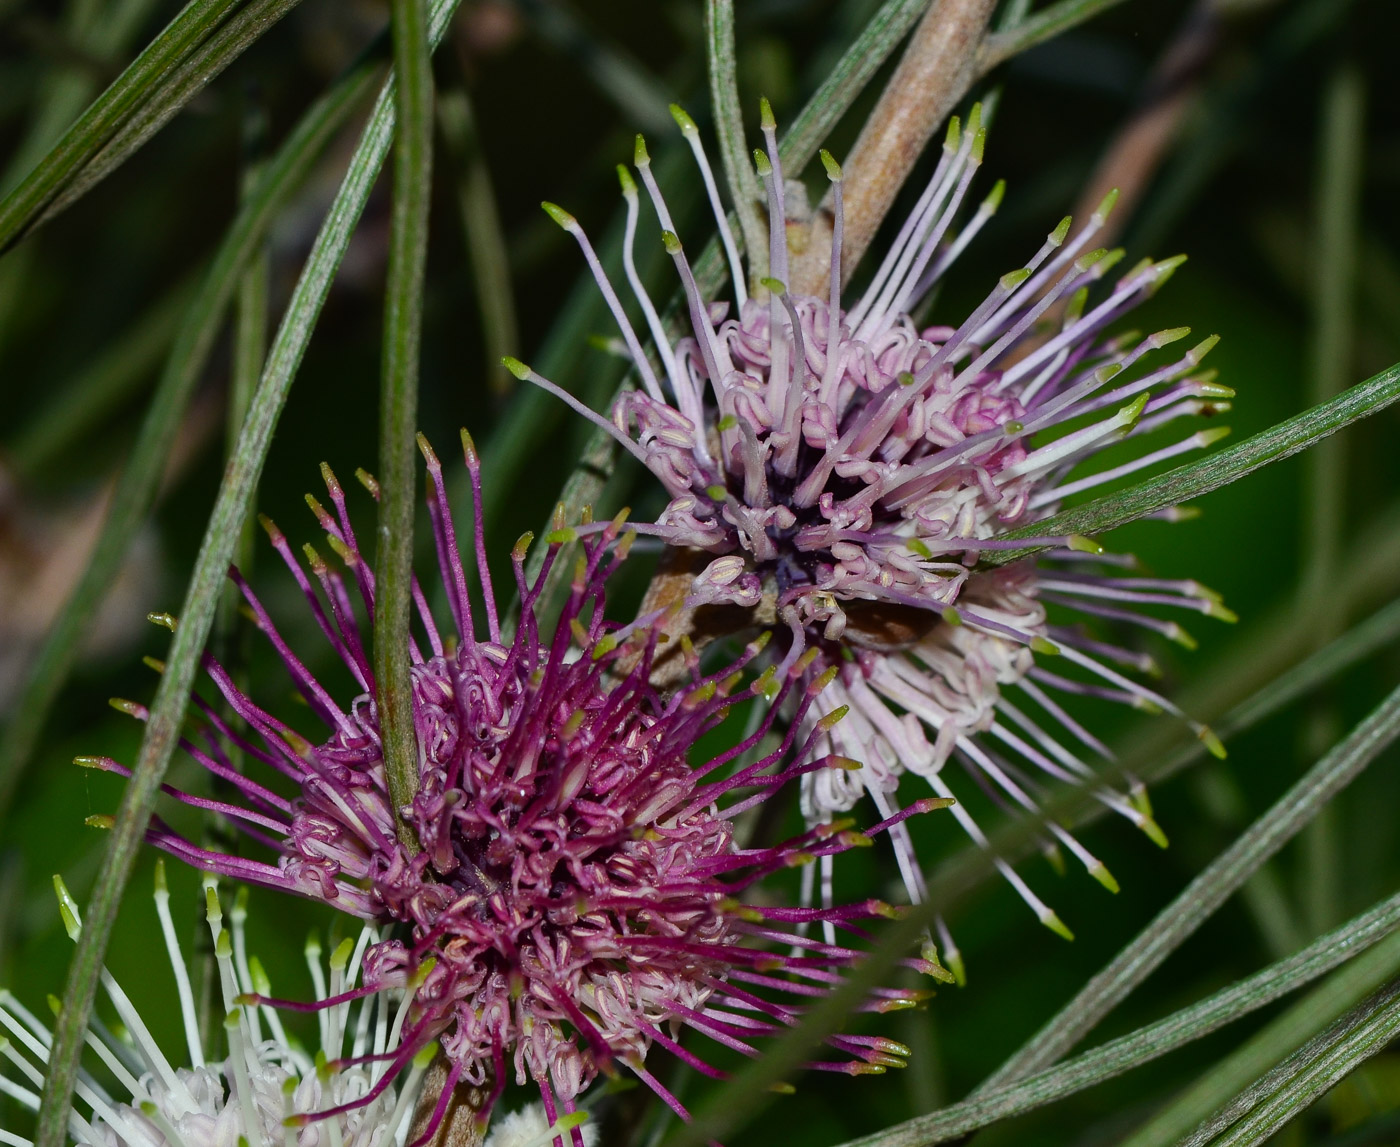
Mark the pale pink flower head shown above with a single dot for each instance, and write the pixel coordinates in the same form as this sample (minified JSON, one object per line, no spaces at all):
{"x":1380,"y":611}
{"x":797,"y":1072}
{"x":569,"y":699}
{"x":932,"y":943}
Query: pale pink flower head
{"x":846,"y":469}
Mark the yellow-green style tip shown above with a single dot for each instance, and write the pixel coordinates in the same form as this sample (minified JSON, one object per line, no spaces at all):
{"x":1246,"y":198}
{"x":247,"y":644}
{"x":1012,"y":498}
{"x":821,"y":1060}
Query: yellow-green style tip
{"x":1105,"y":207}
{"x":1099,"y":871}
{"x":765,"y":115}
{"x":68,"y":909}
{"x":1153,"y":832}
{"x":671,"y":241}
{"x":1055,"y":924}
{"x":682,"y":118}
{"x":640,"y":156}
{"x":1041,"y":645}
{"x":833,"y":169}
{"x":559,"y":215}
{"x":1082,"y":543}
{"x":516,"y":367}
{"x":1214,"y":745}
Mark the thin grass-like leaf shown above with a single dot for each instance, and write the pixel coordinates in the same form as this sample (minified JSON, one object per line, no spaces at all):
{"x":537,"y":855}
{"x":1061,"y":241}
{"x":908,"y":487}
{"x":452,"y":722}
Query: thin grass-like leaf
{"x":197,"y":613}
{"x":194,"y":23}
{"x":1280,"y":441}
{"x":1323,"y":1006}
{"x":172,"y":93}
{"x":749,"y":1089}
{"x":723,"y":69}
{"x":1046,"y":24}
{"x":1321,"y":1064}
{"x":1149,"y":1042}
{"x":194,"y":342}
{"x":1207,"y":892}
{"x":398,"y":402}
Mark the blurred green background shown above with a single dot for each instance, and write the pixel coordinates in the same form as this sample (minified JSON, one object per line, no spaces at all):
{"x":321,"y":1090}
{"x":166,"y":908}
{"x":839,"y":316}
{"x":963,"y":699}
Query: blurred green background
{"x":540,"y":100}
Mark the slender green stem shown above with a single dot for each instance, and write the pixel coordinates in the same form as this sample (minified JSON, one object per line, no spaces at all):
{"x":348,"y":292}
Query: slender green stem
{"x":96,"y":125}
{"x":1280,"y":441}
{"x":137,"y":486}
{"x":1324,"y":498}
{"x":1319,"y":1008}
{"x":728,"y":110}
{"x":1149,"y":1042}
{"x":1207,"y":892}
{"x":398,"y":404}
{"x":1046,"y":24}
{"x":1316,"y":1068}
{"x":197,"y":614}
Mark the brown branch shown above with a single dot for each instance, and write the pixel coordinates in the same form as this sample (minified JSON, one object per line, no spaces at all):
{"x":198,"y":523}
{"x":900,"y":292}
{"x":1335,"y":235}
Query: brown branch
{"x":460,"y":1126}
{"x":937,"y":68}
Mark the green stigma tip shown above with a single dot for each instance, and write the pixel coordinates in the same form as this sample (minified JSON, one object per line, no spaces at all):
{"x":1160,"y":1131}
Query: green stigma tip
{"x":639,"y":153}
{"x":1058,"y":235}
{"x":1221,"y":612}
{"x":671,"y":241}
{"x":624,"y":177}
{"x":761,"y":164}
{"x":1133,"y":411}
{"x":1168,"y":336}
{"x":1083,"y":544}
{"x":1041,"y":645}
{"x":340,"y":958}
{"x":954,"y":134}
{"x":979,"y":142}
{"x":1154,"y":832}
{"x":833,"y":169}
{"x":1212,"y":436}
{"x":994,"y":197}
{"x":765,"y":114}
{"x":1056,"y":925}
{"x":516,"y":367}
{"x":682,"y":118}
{"x":1105,"y":207}
{"x":559,"y":215}
{"x":425,"y":1056}
{"x":1214,"y":745}
{"x":1013,"y":279}
{"x":777,"y":286}
{"x":67,"y":908}
{"x":1099,"y":871}
{"x":952,"y":616}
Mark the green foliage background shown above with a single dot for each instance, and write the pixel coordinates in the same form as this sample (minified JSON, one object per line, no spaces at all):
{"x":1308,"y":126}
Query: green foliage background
{"x":555,"y":91}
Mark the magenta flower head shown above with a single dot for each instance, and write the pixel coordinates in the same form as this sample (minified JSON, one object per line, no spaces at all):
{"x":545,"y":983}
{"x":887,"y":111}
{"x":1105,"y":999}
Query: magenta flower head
{"x":573,"y":893}
{"x":845,"y":470}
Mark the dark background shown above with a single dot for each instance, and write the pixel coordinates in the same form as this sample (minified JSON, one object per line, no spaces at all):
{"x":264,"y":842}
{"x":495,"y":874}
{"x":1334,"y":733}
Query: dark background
{"x":557,"y":90}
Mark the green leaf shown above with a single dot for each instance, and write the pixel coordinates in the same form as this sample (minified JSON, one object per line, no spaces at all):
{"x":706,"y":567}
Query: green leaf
{"x":1280,"y":441}
{"x":95,"y":126}
{"x":729,"y":129}
{"x":197,"y":614}
{"x":749,"y":1089}
{"x":1149,"y":1042}
{"x":1313,"y":1070}
{"x":1046,"y":24}
{"x":1207,"y":892}
{"x":171,"y":92}
{"x":1311,"y":1015}
{"x":398,"y":404}
{"x":194,"y":342}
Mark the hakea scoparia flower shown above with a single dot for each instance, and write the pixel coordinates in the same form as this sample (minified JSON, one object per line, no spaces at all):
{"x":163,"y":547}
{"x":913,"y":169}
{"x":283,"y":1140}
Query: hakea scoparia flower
{"x":576,"y":882}
{"x":267,"y":1088}
{"x":842,"y":471}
